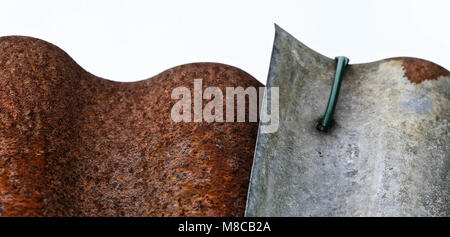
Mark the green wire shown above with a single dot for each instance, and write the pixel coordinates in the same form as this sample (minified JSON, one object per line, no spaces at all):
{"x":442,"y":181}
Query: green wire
{"x":342,"y":63}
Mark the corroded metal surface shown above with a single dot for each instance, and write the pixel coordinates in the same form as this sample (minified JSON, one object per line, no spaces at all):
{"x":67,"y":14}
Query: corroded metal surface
{"x":72,"y":144}
{"x":387,"y":153}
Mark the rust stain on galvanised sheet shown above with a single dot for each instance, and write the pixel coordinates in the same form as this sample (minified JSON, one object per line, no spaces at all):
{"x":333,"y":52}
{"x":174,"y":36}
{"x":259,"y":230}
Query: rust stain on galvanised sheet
{"x":419,"y":70}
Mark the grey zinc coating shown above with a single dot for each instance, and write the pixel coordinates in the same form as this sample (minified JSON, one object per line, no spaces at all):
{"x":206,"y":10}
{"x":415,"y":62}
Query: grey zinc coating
{"x":386,"y":155}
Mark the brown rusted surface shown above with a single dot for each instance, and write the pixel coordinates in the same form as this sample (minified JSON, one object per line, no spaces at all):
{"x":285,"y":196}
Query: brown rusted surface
{"x":419,"y":70}
{"x":72,"y":144}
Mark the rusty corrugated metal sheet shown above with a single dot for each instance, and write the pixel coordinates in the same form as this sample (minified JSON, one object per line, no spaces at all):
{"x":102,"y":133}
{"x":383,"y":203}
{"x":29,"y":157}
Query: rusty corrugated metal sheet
{"x":72,"y":144}
{"x":387,"y":153}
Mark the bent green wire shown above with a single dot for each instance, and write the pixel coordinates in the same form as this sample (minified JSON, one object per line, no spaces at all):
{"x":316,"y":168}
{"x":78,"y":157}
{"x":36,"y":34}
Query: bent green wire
{"x":341,"y":64}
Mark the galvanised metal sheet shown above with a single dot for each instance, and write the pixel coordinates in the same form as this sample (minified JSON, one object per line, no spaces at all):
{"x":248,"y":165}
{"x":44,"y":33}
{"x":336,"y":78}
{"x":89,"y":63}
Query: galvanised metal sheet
{"x":387,"y":153}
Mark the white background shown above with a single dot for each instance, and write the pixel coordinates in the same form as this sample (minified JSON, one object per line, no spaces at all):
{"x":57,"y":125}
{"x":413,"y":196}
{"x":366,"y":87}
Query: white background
{"x":134,"y":40}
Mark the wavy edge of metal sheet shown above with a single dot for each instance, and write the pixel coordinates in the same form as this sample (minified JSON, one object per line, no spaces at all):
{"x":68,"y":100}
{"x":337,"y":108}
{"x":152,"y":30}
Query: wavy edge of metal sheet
{"x":387,"y":153}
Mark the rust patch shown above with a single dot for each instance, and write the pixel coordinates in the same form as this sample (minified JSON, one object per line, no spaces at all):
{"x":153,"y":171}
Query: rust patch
{"x":72,"y":144}
{"x":419,"y":70}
